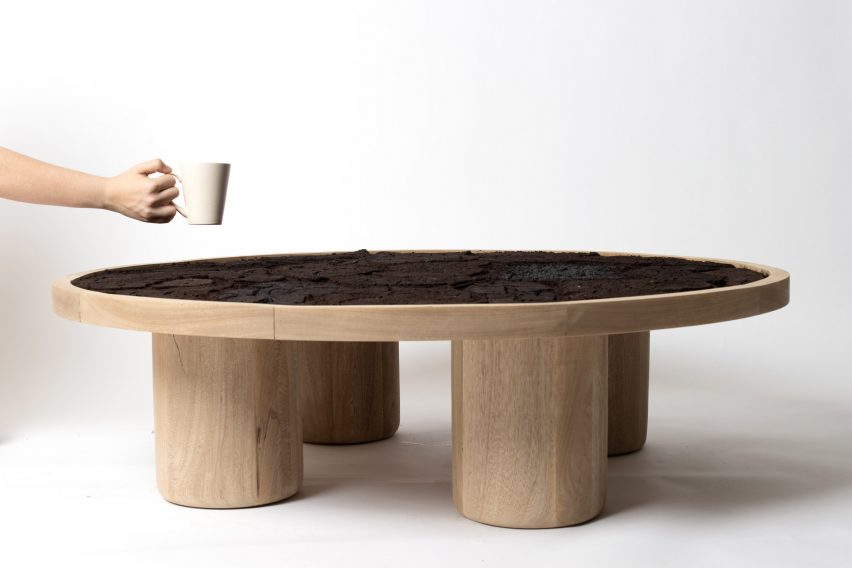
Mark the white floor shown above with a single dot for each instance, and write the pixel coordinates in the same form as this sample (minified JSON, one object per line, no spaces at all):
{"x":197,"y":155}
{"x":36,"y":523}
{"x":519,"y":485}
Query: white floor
{"x":743,"y":466}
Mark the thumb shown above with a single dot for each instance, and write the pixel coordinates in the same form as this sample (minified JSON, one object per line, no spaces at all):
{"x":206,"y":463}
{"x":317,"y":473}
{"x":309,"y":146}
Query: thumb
{"x":152,"y":166}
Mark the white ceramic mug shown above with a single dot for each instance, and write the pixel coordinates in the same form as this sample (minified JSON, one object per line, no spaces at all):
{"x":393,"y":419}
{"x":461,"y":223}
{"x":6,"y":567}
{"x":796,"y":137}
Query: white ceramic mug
{"x":204,"y":186}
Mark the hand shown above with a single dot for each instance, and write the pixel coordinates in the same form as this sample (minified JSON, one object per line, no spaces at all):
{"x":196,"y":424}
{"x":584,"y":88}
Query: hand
{"x":140,"y":197}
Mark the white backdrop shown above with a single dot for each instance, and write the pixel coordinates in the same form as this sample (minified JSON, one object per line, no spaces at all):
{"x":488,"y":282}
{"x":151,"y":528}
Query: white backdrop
{"x":720,"y":129}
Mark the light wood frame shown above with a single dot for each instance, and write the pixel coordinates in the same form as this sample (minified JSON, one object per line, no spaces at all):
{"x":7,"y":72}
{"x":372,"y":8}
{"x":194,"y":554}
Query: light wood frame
{"x":426,"y":322}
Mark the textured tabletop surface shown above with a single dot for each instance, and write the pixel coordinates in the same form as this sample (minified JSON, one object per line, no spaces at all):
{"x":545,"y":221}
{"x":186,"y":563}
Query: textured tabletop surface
{"x":365,"y":278}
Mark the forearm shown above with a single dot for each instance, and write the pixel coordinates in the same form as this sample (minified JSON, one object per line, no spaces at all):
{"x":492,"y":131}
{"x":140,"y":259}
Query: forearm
{"x":25,"y":179}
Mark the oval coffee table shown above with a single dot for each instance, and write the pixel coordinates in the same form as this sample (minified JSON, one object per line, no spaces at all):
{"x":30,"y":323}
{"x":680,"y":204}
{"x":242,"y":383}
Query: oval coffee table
{"x":254,"y":355}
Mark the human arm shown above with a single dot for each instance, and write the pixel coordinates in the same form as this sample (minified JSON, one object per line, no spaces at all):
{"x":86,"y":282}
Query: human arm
{"x":131,"y":193}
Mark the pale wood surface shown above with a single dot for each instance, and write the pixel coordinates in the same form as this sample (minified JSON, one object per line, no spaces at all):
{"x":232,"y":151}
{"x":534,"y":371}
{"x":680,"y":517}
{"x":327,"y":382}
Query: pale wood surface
{"x":66,"y":298}
{"x":222,"y":319}
{"x":628,"y":391}
{"x":530,"y":404}
{"x":530,"y":430}
{"x":227,"y":420}
{"x":350,"y":390}
{"x":426,"y":322}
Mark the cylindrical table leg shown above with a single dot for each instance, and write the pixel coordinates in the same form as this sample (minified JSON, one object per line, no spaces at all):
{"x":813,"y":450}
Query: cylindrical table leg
{"x":529,"y":430}
{"x":628,"y":391}
{"x":228,"y":422}
{"x":350,"y":390}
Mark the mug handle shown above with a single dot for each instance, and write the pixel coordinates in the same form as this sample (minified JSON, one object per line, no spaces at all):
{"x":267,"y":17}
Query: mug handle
{"x":180,"y":209}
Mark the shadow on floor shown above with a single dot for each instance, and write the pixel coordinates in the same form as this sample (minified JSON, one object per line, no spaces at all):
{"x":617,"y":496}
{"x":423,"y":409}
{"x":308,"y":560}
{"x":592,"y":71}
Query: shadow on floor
{"x":724,"y":475}
{"x":700,"y":473}
{"x":767,"y":450}
{"x":734,"y":444}
{"x":406,"y":474}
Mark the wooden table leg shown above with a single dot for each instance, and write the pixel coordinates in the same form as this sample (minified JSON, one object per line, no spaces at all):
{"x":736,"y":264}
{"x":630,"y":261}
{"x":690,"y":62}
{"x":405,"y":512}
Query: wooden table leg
{"x":350,"y":390}
{"x":529,"y":430}
{"x":228,"y":421}
{"x":628,"y":391}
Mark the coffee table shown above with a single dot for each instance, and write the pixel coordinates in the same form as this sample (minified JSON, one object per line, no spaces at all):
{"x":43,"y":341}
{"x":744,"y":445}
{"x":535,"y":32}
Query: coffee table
{"x":542,"y":392}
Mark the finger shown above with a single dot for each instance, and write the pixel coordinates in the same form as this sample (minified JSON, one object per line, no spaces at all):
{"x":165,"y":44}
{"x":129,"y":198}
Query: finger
{"x":163,"y":182}
{"x":162,"y":214}
{"x":165,"y":197}
{"x":153,"y":166}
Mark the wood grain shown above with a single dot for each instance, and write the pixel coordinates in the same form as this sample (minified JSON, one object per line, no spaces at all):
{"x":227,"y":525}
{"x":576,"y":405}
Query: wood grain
{"x":184,"y":317}
{"x":628,"y":391}
{"x":529,"y":384}
{"x":529,"y":430}
{"x":66,"y":299}
{"x":228,"y":422}
{"x":350,"y":390}
{"x":428,"y":322}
